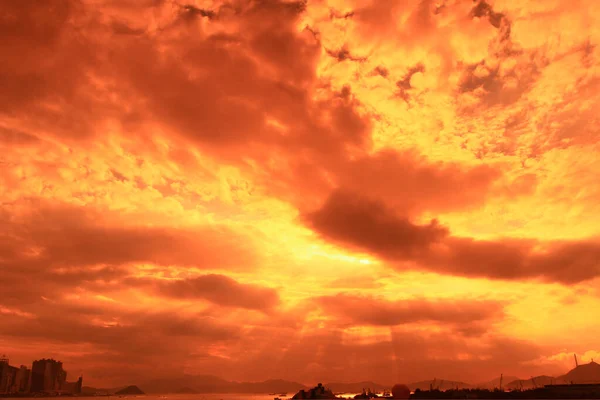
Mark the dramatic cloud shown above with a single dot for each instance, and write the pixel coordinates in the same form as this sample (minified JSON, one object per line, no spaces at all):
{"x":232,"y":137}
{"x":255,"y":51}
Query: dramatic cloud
{"x":221,"y":290}
{"x":311,"y":190}
{"x":355,"y":220}
{"x":361,"y":310}
{"x":567,"y":262}
{"x":63,"y":236}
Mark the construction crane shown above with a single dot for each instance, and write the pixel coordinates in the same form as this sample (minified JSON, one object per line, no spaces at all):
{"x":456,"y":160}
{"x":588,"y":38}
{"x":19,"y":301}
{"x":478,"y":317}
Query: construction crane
{"x":576,"y":363}
{"x":533,"y":381}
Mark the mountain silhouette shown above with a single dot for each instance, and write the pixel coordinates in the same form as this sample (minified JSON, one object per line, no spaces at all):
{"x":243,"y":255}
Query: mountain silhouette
{"x":537,"y":381}
{"x":495,"y":383}
{"x":585,"y":373}
{"x":356,"y":387}
{"x":191,"y":384}
{"x":268,"y":386}
{"x":440,"y":384}
{"x":130,"y":390}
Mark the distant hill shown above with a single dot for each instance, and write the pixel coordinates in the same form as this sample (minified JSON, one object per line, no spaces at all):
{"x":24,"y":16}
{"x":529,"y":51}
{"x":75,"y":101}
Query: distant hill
{"x":537,"y":381}
{"x":268,"y":386}
{"x":438,"y":384}
{"x":130,"y":390}
{"x":585,"y":373}
{"x":355,"y":387}
{"x":494,"y":383}
{"x":88,"y":390}
{"x":191,"y":384}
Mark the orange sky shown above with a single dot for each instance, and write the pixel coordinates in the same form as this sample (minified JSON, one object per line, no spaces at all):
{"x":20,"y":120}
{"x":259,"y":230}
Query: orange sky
{"x":330,"y":190}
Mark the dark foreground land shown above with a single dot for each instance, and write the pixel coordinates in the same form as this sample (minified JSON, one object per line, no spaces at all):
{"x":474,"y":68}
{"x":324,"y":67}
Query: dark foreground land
{"x":557,"y":392}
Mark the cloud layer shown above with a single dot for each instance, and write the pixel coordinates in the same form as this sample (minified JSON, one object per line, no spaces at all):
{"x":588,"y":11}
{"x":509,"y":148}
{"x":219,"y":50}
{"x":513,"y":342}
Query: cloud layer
{"x":383,"y":190}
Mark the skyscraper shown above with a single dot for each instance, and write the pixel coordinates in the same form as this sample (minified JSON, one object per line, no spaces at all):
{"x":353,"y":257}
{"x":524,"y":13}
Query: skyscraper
{"x":37,"y":376}
{"x":3,"y":372}
{"x":8,"y":376}
{"x":22,"y":380}
{"x":47,"y":375}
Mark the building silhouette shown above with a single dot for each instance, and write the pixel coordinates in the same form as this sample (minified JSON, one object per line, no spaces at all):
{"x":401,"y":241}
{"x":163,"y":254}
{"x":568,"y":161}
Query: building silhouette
{"x":47,"y":375}
{"x":21,"y":384}
{"x":8,"y":376}
{"x":73,"y":387}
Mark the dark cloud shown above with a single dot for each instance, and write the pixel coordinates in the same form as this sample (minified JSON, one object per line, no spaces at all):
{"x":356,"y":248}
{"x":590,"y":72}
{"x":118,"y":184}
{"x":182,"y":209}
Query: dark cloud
{"x":120,"y":334}
{"x":56,"y":250}
{"x":565,"y":262}
{"x":121,"y":28}
{"x":334,"y":14}
{"x":59,"y":235}
{"x":508,"y":72}
{"x":190,"y":12}
{"x":16,"y":138}
{"x":45,"y":59}
{"x":492,"y":80}
{"x":398,"y":352}
{"x":404,"y":83}
{"x":408,"y":182}
{"x":483,"y":9}
{"x":256,"y":76}
{"x":368,"y":310}
{"x":344,"y":54}
{"x":110,"y":336}
{"x":381,"y":71}
{"x":354,"y":219}
{"x":413,"y":184}
{"x":369,"y":225}
{"x":220,"y":290}
{"x":171,"y":339}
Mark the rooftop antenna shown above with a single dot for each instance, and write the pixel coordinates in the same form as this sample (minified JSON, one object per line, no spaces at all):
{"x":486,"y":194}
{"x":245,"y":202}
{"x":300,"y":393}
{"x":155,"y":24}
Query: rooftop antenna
{"x":576,"y":363}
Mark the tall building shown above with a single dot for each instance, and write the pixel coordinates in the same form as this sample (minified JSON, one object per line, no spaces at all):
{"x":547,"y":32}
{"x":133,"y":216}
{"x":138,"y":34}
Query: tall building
{"x":3,"y":373}
{"x":78,"y":385}
{"x":72,"y":387}
{"x":8,"y":375}
{"x":47,"y":375}
{"x":37,"y":376}
{"x":21,"y":384}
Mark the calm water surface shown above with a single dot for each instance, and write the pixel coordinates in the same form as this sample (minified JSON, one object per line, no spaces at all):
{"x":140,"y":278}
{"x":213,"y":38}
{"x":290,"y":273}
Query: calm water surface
{"x":212,"y":396}
{"x":209,"y":396}
{"x":216,"y":396}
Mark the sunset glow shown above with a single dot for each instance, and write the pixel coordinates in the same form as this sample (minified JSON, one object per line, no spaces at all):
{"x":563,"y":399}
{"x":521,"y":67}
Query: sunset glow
{"x":320,"y":190}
